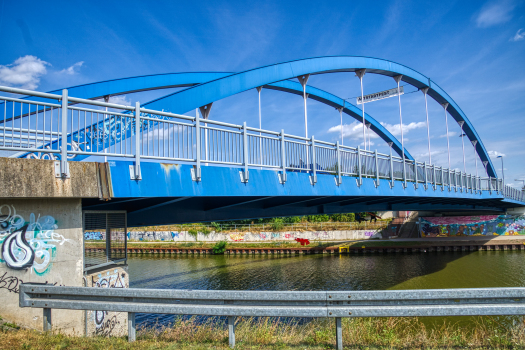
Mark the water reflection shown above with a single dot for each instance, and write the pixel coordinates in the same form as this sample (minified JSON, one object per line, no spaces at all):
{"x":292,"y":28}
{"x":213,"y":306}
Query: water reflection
{"x":327,"y":272}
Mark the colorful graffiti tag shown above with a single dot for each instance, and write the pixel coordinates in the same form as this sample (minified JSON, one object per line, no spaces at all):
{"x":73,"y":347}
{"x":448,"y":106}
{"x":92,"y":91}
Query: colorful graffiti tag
{"x":483,"y":225}
{"x":28,"y":244}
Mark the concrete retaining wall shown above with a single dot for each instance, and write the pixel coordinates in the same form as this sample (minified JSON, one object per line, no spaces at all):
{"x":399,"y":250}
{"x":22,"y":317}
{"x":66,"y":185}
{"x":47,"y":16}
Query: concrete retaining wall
{"x":184,"y":236}
{"x":52,"y":253}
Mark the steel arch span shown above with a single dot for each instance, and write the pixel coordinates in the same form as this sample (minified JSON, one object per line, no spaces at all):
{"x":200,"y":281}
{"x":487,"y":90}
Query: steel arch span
{"x":205,"y":93}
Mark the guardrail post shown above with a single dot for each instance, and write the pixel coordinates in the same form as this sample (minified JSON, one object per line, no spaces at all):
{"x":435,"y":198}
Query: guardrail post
{"x":64,"y":166}
{"x":360,"y":181}
{"x":338,"y":334}
{"x":231,"y":331}
{"x":490,"y":185}
{"x":314,"y":170}
{"x":138,"y":123}
{"x":338,"y":150}
{"x":47,"y":320}
{"x":198,"y":147}
{"x":377,"y":169}
{"x":132,"y":335}
{"x":283,"y":158}
{"x":245,"y":152}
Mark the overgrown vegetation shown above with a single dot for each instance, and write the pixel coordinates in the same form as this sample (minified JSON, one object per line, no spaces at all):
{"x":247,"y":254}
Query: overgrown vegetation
{"x":265,"y":333}
{"x":219,"y":247}
{"x":276,"y":223}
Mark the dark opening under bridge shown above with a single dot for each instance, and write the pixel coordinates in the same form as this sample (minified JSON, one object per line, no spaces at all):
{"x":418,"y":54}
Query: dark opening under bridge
{"x":166,"y":167}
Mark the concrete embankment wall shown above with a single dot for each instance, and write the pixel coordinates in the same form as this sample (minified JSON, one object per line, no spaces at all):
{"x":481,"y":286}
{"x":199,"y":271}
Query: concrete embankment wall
{"x":184,"y":236}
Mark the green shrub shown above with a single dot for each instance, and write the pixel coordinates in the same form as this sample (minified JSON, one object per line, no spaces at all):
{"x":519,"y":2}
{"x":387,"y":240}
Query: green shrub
{"x":277,"y":224}
{"x":219,"y":247}
{"x":216,"y":226}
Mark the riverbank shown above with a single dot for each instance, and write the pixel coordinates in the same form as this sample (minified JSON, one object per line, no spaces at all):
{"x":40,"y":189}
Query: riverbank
{"x":476,"y":243}
{"x":264,"y":333}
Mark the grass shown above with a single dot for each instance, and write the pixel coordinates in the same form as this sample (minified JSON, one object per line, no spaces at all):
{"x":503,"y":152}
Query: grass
{"x":265,"y":333}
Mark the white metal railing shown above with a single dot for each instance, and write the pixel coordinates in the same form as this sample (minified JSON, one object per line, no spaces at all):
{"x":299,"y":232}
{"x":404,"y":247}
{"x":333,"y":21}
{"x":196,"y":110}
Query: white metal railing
{"x":61,"y":127}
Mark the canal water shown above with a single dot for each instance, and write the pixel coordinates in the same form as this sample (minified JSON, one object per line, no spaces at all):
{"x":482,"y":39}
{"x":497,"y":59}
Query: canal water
{"x":325,"y":272}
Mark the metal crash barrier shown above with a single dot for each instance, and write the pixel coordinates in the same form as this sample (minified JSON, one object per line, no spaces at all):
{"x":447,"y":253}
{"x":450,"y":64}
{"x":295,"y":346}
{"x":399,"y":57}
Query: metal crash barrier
{"x":335,"y":304}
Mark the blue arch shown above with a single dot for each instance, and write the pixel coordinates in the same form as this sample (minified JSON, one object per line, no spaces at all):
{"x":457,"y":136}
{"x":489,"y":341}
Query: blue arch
{"x":205,"y":93}
{"x":171,"y":80}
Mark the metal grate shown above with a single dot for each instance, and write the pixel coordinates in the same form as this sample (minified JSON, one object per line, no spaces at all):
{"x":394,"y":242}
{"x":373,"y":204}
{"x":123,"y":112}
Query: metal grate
{"x":105,"y":238}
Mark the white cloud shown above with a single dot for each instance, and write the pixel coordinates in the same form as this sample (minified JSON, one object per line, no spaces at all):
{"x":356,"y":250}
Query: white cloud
{"x":496,"y":154}
{"x":354,"y":130}
{"x":120,"y":100}
{"x":24,"y":72}
{"x":450,"y":134}
{"x":73,"y":69}
{"x":396,"y":131}
{"x":494,"y":13}
{"x":519,"y":36}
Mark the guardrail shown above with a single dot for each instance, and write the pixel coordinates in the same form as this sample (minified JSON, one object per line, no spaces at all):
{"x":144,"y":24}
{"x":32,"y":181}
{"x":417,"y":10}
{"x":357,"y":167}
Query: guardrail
{"x":61,"y":127}
{"x":331,"y":304}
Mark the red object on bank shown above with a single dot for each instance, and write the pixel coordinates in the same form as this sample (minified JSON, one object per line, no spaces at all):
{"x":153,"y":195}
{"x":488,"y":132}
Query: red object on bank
{"x":303,"y":241}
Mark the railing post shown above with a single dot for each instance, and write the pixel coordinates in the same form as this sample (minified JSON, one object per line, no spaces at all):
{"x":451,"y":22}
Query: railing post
{"x":314,"y":170}
{"x":231,"y":331}
{"x":404,"y":169}
{"x":138,"y":123}
{"x":338,"y":150}
{"x":47,"y":320}
{"x":64,"y":166}
{"x":426,"y":175}
{"x":490,"y":185}
{"x":377,"y":168}
{"x":245,"y":151}
{"x":360,"y":181}
{"x":338,"y":334}
{"x":283,"y":157}
{"x":449,"y":180}
{"x":198,"y":147}
{"x":415,"y":174}
{"x":434,"y":176}
{"x":132,"y":330}
{"x":391,"y":166}
{"x":443,"y":180}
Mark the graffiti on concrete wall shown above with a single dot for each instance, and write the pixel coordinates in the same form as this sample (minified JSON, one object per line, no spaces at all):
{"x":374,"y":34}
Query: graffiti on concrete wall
{"x":28,"y":243}
{"x":104,"y":322}
{"x":482,"y":225}
{"x":183,"y":236}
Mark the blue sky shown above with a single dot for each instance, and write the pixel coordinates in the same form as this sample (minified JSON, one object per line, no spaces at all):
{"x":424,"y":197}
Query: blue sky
{"x":475,"y":50}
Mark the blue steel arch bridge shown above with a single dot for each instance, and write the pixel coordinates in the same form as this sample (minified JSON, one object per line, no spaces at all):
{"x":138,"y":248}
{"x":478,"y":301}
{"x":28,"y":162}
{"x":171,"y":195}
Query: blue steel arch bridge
{"x":167,"y":167}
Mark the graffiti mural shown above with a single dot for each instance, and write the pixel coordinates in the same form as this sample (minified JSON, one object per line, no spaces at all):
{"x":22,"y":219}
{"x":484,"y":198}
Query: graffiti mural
{"x":104,"y":323}
{"x":236,"y":237}
{"x":28,"y":243}
{"x":482,"y":225}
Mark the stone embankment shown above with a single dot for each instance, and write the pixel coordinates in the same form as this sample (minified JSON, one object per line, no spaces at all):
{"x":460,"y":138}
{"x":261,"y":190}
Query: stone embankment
{"x":378,"y":247}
